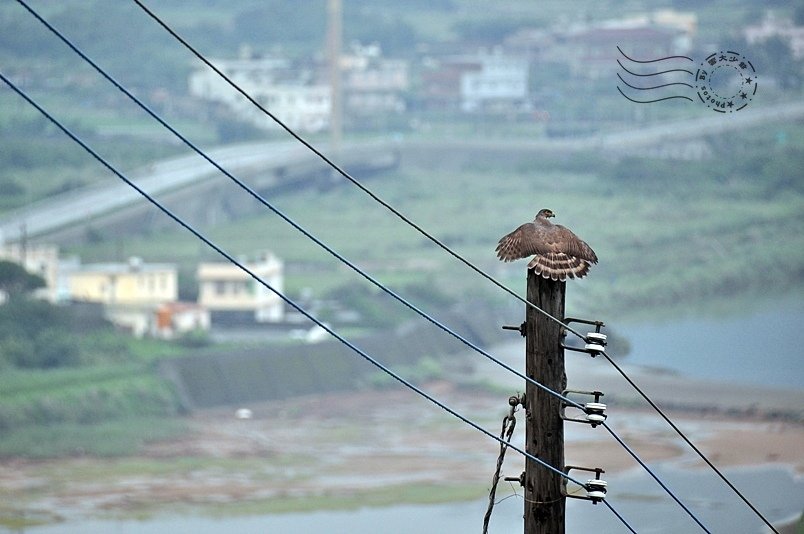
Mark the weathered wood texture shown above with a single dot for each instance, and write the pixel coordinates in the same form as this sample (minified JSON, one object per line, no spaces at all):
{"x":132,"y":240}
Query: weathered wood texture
{"x":544,"y":433}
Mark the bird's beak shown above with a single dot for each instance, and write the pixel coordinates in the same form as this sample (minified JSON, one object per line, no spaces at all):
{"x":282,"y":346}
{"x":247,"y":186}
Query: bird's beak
{"x":551,"y":214}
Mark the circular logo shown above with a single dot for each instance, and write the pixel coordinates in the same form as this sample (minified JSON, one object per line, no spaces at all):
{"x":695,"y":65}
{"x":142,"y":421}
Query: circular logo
{"x":726,"y":82}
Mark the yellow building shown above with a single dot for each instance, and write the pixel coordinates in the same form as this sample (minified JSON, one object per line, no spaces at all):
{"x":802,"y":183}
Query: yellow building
{"x":232,"y":296}
{"x":122,"y":284}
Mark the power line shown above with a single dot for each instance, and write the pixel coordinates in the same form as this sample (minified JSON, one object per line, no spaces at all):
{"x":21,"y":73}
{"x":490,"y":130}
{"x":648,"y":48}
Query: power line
{"x":654,"y":475}
{"x":331,"y":251}
{"x":343,"y":172}
{"x":621,"y":518}
{"x":285,"y":217}
{"x":432,"y":238}
{"x":279,"y":294}
{"x":689,"y":442}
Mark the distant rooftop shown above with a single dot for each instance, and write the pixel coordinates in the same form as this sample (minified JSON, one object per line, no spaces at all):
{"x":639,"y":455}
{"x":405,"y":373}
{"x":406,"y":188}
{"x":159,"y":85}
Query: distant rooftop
{"x":134,"y":264}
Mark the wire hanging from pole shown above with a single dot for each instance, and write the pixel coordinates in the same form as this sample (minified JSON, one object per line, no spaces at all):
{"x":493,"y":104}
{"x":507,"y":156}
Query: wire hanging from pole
{"x":506,"y":433}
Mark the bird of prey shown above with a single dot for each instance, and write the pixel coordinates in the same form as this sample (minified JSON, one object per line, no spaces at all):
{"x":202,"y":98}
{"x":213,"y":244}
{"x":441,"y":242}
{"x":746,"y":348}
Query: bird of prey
{"x":559,"y":253}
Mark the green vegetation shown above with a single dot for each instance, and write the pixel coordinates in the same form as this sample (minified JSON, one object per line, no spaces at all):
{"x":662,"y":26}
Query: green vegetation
{"x":428,"y":368}
{"x":37,"y":162}
{"x":377,"y":312}
{"x":16,"y":281}
{"x":120,"y":437}
{"x":87,"y":402}
{"x":37,"y":335}
{"x":669,"y":235}
{"x":376,"y":497}
{"x":67,"y":373}
{"x":104,"y":409}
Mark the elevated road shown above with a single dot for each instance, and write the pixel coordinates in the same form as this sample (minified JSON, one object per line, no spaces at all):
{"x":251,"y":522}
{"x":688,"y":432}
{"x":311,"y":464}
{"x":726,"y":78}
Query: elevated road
{"x":260,"y":165}
{"x":707,"y":123}
{"x":277,"y":164}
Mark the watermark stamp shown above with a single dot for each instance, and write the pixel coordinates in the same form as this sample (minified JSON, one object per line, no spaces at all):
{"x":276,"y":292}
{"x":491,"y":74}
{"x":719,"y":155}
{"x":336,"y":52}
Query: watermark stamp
{"x":725,"y":82}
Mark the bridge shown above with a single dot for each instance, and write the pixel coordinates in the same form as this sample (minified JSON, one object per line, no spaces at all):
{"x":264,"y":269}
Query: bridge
{"x":190,"y":186}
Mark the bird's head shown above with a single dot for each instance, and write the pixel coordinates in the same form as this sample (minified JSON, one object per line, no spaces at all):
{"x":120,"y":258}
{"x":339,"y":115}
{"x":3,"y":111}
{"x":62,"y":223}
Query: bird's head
{"x":545,"y":213}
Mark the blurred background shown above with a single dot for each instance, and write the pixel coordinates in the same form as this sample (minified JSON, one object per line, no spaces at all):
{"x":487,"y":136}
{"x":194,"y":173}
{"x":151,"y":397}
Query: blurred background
{"x":147,"y":384}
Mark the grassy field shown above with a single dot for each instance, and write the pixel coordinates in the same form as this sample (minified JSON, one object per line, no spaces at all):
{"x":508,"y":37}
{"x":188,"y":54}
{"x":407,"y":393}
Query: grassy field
{"x":109,"y":402}
{"x":121,"y":437}
{"x":668,"y":234}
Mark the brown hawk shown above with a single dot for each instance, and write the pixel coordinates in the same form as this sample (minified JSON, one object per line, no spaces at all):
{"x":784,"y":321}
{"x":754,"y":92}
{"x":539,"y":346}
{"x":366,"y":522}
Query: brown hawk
{"x":559,"y":253}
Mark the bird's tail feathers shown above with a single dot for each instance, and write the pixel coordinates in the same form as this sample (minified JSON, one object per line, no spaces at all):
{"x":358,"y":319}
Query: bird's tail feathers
{"x":559,"y":266}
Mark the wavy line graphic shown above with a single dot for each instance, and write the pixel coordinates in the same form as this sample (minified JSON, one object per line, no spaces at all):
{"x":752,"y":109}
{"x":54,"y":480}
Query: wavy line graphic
{"x":651,"y":60}
{"x":654,"y":87}
{"x":642,"y":75}
{"x":655,"y":73}
{"x":651,"y":101}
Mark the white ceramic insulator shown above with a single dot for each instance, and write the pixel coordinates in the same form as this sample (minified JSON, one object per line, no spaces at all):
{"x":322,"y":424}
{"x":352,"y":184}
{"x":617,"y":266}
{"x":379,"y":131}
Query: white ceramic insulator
{"x":597,"y":336}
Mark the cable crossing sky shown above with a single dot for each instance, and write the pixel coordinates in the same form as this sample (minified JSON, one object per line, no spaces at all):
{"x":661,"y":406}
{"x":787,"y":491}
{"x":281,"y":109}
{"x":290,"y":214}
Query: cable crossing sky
{"x":343,"y":172}
{"x":286,"y":299}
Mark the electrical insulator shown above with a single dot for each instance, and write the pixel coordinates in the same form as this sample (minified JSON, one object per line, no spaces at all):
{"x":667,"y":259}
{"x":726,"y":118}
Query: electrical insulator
{"x":595,"y":412}
{"x":596,"y":489}
{"x":595,"y":343}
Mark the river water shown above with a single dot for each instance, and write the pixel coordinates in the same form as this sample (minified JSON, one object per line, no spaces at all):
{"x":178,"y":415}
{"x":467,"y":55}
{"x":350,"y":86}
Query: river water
{"x":639,"y":501}
{"x":759,"y":348}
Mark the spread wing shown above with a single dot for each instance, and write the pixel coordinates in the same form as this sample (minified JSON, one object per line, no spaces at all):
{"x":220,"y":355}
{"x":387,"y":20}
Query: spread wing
{"x":572,"y":245}
{"x":532,"y":238}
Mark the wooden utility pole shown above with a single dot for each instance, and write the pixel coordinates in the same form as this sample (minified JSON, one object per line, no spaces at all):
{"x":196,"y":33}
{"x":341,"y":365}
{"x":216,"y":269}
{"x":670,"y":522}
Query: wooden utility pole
{"x":544,"y":428}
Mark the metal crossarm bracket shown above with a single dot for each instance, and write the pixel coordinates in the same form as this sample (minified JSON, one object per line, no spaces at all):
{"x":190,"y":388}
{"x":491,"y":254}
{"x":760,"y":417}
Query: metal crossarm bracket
{"x":520,"y":479}
{"x":595,"y":487}
{"x":595,"y":341}
{"x":520,"y":329}
{"x":595,"y":411}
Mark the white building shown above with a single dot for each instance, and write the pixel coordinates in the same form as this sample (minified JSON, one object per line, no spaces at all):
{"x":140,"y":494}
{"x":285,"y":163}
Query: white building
{"x":232,"y":295}
{"x":372,"y":83}
{"x":772,"y":26}
{"x":292,"y":98}
{"x":497,"y":81}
